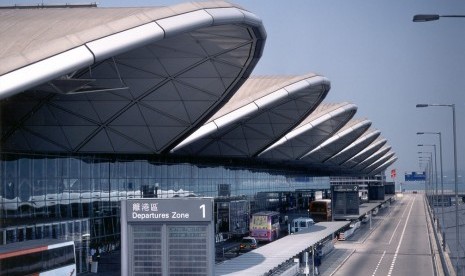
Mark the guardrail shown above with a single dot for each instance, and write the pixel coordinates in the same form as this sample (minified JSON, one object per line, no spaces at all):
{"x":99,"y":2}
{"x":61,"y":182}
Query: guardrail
{"x":445,"y":262}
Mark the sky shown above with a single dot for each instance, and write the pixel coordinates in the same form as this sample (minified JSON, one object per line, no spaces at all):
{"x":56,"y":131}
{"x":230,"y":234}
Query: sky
{"x":375,"y":57}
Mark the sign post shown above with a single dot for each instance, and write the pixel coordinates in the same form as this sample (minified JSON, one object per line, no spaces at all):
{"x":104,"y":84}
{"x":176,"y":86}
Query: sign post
{"x":165,"y":236}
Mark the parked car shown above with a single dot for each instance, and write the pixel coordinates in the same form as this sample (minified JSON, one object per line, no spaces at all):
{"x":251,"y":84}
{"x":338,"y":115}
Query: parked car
{"x":248,"y":243}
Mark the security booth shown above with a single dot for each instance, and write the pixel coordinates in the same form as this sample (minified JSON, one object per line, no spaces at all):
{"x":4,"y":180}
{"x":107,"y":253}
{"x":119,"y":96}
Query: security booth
{"x":161,"y":236}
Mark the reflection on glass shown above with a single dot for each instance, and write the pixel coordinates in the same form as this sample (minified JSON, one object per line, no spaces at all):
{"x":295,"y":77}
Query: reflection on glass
{"x":66,"y":197}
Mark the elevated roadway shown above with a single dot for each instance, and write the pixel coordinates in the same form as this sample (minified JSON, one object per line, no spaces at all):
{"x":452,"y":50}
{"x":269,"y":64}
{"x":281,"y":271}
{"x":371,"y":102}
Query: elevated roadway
{"x":399,"y":244}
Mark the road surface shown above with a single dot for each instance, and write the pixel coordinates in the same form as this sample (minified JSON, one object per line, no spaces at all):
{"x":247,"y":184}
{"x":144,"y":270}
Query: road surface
{"x":398,"y":243}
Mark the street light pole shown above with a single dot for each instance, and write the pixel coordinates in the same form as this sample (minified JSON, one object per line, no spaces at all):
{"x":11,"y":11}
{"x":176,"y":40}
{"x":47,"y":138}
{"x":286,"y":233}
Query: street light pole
{"x":433,"y":17}
{"x":457,"y":236}
{"x":431,"y":175}
{"x":435,"y":194}
{"x":442,"y":184}
{"x":424,"y":166}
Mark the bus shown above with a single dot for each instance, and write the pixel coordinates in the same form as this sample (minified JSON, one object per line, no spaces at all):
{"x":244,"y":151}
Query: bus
{"x":320,"y":210}
{"x":264,"y":226}
{"x":44,"y":257}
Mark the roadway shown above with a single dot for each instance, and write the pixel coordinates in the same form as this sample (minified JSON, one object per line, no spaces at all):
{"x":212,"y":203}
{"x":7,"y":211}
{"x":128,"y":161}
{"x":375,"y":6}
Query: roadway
{"x":397,"y":244}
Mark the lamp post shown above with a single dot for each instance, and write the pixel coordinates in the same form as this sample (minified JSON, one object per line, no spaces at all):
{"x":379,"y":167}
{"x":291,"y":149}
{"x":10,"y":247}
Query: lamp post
{"x":431,"y":17}
{"x":455,"y":177}
{"x":421,"y":165}
{"x":442,"y":180}
{"x":435,"y":174}
{"x":430,"y":171}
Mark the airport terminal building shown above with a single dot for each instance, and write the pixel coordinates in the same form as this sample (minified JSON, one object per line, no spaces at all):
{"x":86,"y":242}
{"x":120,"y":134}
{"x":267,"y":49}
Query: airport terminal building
{"x":98,"y":105}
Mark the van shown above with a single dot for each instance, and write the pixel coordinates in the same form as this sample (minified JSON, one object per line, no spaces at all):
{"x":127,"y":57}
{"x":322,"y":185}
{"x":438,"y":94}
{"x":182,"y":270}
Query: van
{"x":300,"y":224}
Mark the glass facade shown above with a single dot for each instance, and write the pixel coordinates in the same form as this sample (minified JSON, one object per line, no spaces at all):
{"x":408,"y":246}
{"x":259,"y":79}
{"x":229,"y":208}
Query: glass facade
{"x":78,"y":197}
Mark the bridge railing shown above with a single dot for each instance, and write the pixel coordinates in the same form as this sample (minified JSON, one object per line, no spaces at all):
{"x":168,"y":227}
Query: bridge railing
{"x":443,"y":265}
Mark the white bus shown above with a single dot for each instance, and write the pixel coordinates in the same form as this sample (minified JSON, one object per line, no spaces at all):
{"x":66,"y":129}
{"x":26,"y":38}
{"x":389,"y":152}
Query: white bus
{"x":45,"y":257}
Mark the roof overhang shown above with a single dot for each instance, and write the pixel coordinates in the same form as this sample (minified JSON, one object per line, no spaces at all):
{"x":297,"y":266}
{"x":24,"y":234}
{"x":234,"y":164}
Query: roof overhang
{"x":384,"y":166}
{"x":121,"y":80}
{"x":373,"y":158}
{"x":325,"y":121}
{"x":344,"y":137}
{"x":353,"y":149}
{"x":262,"y":111}
{"x":365,"y":153}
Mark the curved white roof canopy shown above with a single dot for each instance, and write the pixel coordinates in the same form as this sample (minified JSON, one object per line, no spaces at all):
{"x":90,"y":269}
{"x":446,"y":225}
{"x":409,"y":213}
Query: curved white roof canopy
{"x":135,"y":80}
{"x":365,"y":153}
{"x":344,"y":137}
{"x":326,"y":120}
{"x":357,"y":146}
{"x":373,"y":158}
{"x":384,"y":166}
{"x":263,"y":110}
{"x":378,"y":162}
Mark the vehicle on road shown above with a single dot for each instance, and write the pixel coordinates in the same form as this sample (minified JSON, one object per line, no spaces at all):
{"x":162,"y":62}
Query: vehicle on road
{"x":38,"y":257}
{"x":248,"y":243}
{"x":299,"y":224}
{"x":264,"y":226}
{"x":320,"y":210}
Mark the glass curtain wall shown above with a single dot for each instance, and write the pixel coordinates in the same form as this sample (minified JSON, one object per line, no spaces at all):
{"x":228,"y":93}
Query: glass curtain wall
{"x":40,"y":194}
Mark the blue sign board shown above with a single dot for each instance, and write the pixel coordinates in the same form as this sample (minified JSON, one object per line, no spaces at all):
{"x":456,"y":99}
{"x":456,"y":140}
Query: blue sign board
{"x":414,"y":176}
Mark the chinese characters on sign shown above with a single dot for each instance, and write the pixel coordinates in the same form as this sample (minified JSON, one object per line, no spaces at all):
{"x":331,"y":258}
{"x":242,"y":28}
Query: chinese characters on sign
{"x":152,"y":227}
{"x":175,"y":210}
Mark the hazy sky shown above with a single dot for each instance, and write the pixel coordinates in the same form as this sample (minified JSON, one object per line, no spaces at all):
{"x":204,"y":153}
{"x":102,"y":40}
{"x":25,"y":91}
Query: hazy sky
{"x":376,"y":58}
